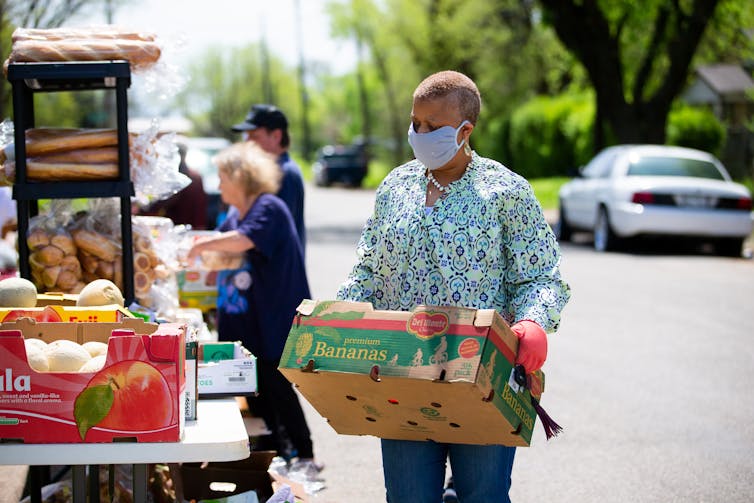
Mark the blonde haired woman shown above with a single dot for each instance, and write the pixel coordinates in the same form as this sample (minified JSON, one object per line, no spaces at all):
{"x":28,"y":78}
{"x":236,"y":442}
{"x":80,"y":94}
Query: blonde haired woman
{"x":257,"y":302}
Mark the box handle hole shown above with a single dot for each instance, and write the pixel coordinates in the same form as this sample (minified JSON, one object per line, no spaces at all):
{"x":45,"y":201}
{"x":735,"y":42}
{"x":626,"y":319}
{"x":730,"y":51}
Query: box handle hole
{"x":412,"y":423}
{"x":352,"y":398}
{"x":393,"y":401}
{"x":454,"y":425}
{"x":371,"y":419}
{"x":436,"y":405}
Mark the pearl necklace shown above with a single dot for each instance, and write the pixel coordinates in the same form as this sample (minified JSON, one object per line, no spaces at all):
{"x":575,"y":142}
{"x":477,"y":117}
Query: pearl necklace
{"x":433,"y":181}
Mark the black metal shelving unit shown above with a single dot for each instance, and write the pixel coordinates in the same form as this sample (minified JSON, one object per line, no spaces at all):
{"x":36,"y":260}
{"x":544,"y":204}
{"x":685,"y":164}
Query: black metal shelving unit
{"x":29,"y":78}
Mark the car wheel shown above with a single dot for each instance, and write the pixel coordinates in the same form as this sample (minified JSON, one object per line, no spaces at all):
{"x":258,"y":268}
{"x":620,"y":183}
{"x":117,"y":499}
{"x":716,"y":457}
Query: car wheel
{"x":729,"y":247}
{"x":604,"y":237}
{"x":321,"y":180}
{"x":562,"y":230}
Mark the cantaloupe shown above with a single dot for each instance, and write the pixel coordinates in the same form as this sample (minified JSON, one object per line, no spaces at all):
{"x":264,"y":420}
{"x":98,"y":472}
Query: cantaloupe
{"x":94,"y":365}
{"x":100,"y":292}
{"x":17,"y":292}
{"x":95,"y":348}
{"x":36,"y":357}
{"x":66,"y":356}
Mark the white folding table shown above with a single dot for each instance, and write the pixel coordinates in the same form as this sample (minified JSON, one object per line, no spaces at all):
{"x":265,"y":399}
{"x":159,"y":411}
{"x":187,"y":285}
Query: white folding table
{"x":218,"y":434}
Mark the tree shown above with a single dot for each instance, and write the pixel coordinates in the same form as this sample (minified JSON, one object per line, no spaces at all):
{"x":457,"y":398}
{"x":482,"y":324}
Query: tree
{"x":638,"y":56}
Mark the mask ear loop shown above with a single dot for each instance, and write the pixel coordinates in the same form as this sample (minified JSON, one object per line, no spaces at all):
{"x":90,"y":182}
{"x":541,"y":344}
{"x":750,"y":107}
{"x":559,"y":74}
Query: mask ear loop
{"x":466,"y":147}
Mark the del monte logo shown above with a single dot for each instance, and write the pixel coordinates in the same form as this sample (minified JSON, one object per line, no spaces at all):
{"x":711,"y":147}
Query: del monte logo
{"x":428,"y":324}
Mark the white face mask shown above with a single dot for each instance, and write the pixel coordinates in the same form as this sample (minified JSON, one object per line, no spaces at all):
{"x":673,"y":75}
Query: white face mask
{"x":436,"y":148}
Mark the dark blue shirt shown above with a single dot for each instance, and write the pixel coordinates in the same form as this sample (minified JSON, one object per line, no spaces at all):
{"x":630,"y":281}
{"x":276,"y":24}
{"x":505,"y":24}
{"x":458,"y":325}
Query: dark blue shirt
{"x":292,"y":192}
{"x":257,"y":303}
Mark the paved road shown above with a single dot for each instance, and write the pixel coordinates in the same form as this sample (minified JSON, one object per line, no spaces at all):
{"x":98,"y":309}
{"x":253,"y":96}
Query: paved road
{"x":651,"y":375}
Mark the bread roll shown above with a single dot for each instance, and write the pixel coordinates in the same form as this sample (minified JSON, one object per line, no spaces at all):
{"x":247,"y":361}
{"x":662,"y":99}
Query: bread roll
{"x":37,"y":239}
{"x":71,"y":263}
{"x":104,"y":270}
{"x":50,"y":255}
{"x":95,"y":244}
{"x":66,"y":280}
{"x":50,"y":276}
{"x":64,"y":242}
{"x":88,"y":262}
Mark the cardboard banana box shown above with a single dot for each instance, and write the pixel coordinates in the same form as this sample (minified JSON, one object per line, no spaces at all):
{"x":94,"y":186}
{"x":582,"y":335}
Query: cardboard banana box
{"x":436,"y":373}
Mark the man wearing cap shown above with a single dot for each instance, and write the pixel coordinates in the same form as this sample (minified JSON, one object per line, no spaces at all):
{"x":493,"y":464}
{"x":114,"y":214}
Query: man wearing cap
{"x":267,"y":126}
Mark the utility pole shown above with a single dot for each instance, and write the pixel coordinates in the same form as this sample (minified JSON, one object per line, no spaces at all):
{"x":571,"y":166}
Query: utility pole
{"x":366,"y":122}
{"x":109,"y":94}
{"x":267,"y":91}
{"x":306,"y":144}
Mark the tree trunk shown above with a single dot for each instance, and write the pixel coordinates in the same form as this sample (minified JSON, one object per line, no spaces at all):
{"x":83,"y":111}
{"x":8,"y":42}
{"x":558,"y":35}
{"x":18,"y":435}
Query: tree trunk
{"x":584,"y":29}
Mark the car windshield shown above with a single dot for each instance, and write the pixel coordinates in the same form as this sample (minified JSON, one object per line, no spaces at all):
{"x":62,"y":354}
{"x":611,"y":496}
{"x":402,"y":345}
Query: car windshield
{"x":673,"y":166}
{"x":341,"y":160}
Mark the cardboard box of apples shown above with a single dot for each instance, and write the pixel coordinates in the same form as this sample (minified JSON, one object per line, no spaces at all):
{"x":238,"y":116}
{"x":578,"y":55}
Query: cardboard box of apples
{"x":69,"y":382}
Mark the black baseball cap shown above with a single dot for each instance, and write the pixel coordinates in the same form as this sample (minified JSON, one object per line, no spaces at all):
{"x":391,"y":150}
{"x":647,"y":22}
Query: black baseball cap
{"x":266,"y":116}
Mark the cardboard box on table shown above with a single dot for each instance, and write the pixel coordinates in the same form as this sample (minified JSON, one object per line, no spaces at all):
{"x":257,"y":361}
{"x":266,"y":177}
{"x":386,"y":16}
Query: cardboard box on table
{"x":234,"y":374}
{"x":437,"y":373}
{"x":66,"y":313}
{"x":62,"y":407}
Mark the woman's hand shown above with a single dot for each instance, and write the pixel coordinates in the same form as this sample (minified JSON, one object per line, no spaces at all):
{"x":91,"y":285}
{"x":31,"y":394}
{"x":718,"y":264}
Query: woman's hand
{"x":532,"y":345}
{"x":196,"y":248}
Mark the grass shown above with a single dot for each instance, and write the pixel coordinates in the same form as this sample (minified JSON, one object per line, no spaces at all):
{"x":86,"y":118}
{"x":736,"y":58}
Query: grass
{"x":545,"y":189}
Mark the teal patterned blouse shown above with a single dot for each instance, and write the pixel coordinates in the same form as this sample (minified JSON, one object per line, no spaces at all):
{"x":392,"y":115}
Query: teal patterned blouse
{"x":485,"y":245}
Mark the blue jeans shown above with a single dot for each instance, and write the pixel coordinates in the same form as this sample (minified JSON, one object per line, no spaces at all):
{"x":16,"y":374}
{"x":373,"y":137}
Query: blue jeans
{"x":415,"y":471}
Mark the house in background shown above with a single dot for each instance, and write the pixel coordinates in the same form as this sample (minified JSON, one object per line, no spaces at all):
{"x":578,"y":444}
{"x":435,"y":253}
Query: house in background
{"x":728,"y":90}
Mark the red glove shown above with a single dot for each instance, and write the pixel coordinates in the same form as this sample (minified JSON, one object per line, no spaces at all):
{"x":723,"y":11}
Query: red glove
{"x":532,"y":345}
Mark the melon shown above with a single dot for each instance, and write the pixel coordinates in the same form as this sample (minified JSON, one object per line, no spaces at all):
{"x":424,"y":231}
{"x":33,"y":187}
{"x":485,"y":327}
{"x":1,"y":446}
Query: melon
{"x":95,"y":348}
{"x":100,"y":292}
{"x":36,"y":357}
{"x":66,"y":356}
{"x":17,"y":292}
{"x":94,"y":365}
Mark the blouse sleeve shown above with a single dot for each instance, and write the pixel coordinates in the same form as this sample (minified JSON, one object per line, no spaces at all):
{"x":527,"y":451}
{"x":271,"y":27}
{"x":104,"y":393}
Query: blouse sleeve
{"x":534,"y":289}
{"x":360,"y":285}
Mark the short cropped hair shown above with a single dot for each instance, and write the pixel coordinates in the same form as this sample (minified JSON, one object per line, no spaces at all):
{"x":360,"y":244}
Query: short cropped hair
{"x":454,"y":85}
{"x":249,"y":166}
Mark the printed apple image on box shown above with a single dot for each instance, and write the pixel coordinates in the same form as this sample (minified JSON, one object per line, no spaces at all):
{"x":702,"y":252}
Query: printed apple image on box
{"x":137,"y":395}
{"x":439,"y":373}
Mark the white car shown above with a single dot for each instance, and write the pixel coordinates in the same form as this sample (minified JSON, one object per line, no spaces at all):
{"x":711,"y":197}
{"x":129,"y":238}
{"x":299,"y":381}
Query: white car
{"x":636,"y":190}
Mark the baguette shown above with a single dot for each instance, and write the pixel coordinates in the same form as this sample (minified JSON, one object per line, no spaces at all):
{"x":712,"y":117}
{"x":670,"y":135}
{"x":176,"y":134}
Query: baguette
{"x":41,"y":141}
{"x":84,"y":155}
{"x":102,"y":32}
{"x":57,"y":172}
{"x":140,"y":54}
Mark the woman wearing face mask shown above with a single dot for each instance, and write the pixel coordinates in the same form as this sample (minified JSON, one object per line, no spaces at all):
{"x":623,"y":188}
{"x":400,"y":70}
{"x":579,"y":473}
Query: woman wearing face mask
{"x":454,"y":228}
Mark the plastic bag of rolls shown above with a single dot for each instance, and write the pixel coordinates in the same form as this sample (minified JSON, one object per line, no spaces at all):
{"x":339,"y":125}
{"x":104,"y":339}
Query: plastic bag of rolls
{"x":53,"y":255}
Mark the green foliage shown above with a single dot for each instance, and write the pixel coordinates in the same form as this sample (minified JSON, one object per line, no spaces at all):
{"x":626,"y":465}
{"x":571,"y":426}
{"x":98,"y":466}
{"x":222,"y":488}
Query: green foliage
{"x":696,"y":128}
{"x":550,"y":136}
